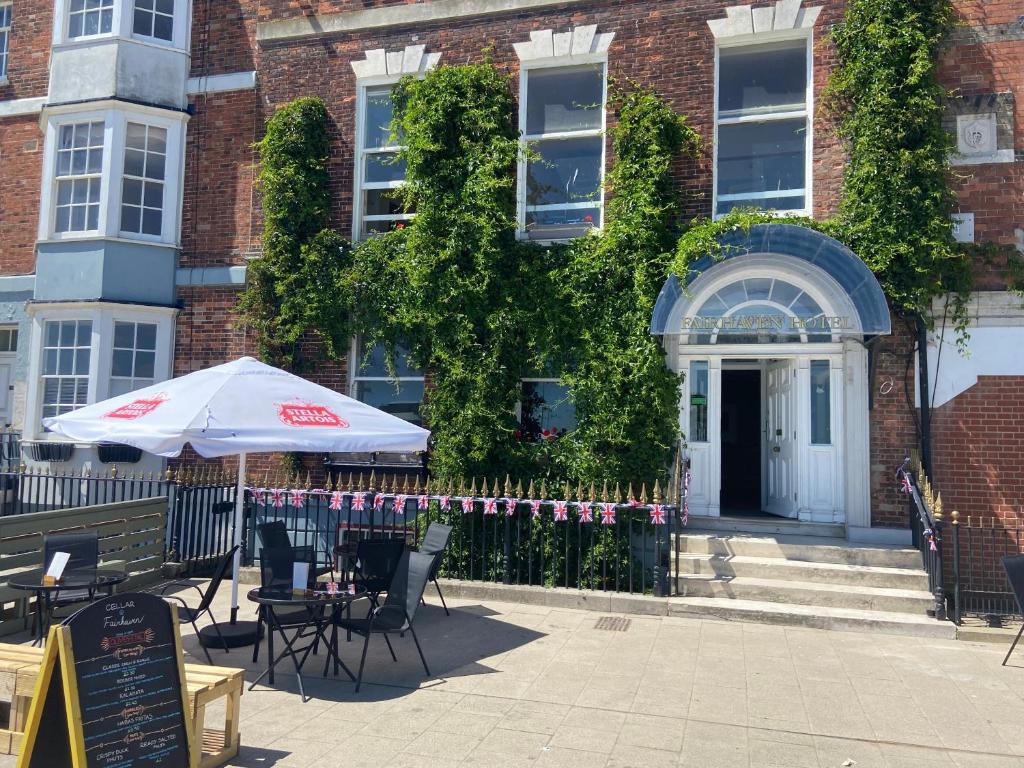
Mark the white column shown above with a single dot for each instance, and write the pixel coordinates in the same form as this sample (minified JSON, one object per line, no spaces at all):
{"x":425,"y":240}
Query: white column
{"x":857,"y":443}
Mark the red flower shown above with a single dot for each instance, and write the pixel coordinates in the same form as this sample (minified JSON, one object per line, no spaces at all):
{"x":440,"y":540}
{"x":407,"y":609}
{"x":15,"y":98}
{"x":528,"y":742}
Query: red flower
{"x":400,"y":225}
{"x":589,"y":219}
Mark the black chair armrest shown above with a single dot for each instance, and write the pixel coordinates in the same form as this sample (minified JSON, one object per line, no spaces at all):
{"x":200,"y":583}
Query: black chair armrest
{"x":182,"y":584}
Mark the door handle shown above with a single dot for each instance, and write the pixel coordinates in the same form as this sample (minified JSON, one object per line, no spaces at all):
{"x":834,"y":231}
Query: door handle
{"x":778,"y":433}
{"x":776,"y":449}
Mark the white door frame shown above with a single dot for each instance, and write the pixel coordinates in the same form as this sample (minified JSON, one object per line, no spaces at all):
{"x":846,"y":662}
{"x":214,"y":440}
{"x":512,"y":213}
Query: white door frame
{"x":825,"y":477}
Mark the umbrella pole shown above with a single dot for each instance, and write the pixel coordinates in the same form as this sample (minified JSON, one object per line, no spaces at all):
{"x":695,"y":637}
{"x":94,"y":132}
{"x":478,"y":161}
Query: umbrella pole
{"x":239,"y":522}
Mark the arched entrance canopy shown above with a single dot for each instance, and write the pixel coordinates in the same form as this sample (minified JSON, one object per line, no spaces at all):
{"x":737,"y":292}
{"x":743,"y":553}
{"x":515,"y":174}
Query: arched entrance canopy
{"x":824,"y":259}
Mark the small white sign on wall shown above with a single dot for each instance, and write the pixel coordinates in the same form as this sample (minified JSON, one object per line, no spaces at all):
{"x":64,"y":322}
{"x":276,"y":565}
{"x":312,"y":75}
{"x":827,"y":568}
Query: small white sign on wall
{"x":963,"y":227}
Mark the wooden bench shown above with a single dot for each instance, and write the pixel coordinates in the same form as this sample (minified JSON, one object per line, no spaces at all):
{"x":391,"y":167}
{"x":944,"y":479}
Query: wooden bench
{"x":19,"y":667}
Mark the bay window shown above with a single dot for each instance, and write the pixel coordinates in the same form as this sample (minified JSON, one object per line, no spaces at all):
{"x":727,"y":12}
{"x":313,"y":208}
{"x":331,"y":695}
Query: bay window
{"x":79,"y":176}
{"x":113,"y":172}
{"x":379,"y":172}
{"x":562,"y":119}
{"x":763,"y":127}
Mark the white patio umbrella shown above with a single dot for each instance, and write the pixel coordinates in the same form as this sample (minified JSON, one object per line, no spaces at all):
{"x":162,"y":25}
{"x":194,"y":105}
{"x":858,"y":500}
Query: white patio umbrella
{"x":238,"y":408}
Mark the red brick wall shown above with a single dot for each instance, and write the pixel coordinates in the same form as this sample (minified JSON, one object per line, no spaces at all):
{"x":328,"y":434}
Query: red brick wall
{"x":893,"y":420}
{"x":223,"y":36}
{"x":219,"y":225}
{"x":29,"y":50}
{"x":21,"y":155}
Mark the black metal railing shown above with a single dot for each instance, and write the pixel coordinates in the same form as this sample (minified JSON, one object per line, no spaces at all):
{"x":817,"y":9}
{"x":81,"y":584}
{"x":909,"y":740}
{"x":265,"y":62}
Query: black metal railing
{"x":199,"y":523}
{"x":10,"y":450}
{"x":926,"y":529}
{"x":612,"y":543}
{"x":979,"y":583}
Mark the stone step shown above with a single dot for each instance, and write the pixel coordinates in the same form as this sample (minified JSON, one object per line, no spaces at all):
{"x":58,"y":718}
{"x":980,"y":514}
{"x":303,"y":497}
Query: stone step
{"x":911,"y":601}
{"x":766,"y":526}
{"x":843,"y":619}
{"x":776,"y":568}
{"x":807,"y":548}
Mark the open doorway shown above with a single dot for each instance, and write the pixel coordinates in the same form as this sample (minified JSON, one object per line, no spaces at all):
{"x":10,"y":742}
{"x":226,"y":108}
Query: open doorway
{"x":741,"y":442}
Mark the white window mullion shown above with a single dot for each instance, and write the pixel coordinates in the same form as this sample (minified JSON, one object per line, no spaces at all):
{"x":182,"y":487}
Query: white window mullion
{"x":6,"y":11}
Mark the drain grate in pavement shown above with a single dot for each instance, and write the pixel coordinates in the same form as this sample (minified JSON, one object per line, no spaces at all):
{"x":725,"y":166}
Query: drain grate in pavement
{"x":613,"y":623}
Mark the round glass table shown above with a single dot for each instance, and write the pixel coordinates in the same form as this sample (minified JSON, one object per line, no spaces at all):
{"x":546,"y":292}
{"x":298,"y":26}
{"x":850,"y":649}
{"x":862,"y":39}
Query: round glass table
{"x":309,"y":613}
{"x":78,"y":585}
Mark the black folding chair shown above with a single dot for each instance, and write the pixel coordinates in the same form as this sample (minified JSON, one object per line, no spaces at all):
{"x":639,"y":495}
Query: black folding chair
{"x":276,"y":569}
{"x":1014,"y":567}
{"x":435,"y":542}
{"x":376,"y":563}
{"x":191,"y":615}
{"x":273,"y":535}
{"x":84,"y":550}
{"x":397,"y":613}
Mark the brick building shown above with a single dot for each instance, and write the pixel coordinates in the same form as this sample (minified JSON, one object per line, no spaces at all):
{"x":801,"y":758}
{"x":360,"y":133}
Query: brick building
{"x":128,"y":213}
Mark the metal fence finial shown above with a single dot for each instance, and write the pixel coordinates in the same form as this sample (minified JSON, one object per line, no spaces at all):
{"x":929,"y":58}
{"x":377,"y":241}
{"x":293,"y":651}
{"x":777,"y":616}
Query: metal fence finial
{"x":530,"y":492}
{"x":643,"y":493}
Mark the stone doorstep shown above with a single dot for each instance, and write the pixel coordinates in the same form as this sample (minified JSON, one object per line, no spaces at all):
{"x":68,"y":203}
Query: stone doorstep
{"x":805,"y":548}
{"x":799,"y":570}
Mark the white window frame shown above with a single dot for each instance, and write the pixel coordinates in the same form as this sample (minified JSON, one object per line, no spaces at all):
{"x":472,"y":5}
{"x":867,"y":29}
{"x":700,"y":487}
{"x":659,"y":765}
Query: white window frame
{"x":753,"y":41}
{"x":559,"y":62}
{"x":144,"y":181}
{"x":66,"y":19}
{"x":72,"y":177}
{"x":150,"y":38}
{"x":5,"y":49}
{"x":355,"y":377}
{"x":122,"y":27}
{"x":115,"y":118}
{"x":135,"y":382}
{"x":102,"y":317}
{"x":359,"y":186}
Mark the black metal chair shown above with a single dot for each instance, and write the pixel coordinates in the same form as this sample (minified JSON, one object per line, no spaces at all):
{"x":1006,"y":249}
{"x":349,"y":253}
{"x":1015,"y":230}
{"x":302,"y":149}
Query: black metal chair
{"x":84,"y":550}
{"x":191,"y":615}
{"x":376,"y":563}
{"x":273,"y":535}
{"x":435,"y":542}
{"x":397,"y":613}
{"x":276,"y":570}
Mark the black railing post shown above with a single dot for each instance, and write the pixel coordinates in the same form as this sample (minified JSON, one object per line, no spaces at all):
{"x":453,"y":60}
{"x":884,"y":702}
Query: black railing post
{"x":506,"y":560}
{"x":940,"y":593}
{"x":956,"y":568}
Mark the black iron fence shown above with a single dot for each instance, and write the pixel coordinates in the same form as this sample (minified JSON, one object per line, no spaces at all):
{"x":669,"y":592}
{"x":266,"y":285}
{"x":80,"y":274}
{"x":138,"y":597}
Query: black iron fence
{"x":606,"y":540}
{"x":963,"y":557}
{"x":198,"y":503}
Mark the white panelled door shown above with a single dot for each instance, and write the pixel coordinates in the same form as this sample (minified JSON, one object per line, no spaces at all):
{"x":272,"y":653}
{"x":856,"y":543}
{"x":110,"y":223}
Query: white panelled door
{"x":780,"y":431}
{"x":6,"y":371}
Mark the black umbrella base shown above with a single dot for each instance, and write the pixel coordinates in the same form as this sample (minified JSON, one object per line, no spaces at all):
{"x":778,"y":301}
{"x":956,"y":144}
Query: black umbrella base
{"x":236,"y":635}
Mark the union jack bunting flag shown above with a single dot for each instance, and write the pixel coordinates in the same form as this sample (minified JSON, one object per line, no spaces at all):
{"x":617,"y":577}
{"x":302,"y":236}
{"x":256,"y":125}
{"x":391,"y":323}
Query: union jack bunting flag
{"x":297,"y":498}
{"x":359,"y":501}
{"x":535,"y":509}
{"x":467,"y":506}
{"x":277,"y":497}
{"x":446,"y":502}
{"x":686,"y":511}
{"x":586,"y":513}
{"x":905,"y":482}
{"x":336,"y":500}
{"x":561,"y":511}
{"x":399,"y":506}
{"x":657,"y":514}
{"x":607,"y":513}
{"x":510,"y":507}
{"x":634,"y":503}
{"x":490,"y":506}
{"x":378,"y":502}
{"x":422,"y":502}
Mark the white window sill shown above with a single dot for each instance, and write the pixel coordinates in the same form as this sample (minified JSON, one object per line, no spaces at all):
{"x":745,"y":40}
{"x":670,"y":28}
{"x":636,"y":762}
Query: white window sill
{"x":96,"y":236}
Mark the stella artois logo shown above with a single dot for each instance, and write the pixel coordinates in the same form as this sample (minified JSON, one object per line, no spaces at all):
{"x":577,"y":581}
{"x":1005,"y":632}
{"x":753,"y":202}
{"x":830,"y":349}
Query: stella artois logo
{"x":309,"y":415}
{"x":136,"y":409}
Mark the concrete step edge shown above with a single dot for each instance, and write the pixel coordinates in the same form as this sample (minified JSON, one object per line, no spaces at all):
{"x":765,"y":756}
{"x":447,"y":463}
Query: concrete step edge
{"x":797,"y":564}
{"x":841,"y":619}
{"x":811,"y":586}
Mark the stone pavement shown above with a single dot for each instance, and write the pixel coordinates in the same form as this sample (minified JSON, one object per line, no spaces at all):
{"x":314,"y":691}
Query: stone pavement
{"x":524,"y":686}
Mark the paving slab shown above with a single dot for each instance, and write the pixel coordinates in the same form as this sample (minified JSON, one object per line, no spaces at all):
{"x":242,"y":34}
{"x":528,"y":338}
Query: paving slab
{"x":528,"y":686}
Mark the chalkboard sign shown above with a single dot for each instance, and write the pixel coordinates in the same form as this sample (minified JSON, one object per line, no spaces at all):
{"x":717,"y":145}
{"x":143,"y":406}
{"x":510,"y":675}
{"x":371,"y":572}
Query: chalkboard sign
{"x":111,"y":693}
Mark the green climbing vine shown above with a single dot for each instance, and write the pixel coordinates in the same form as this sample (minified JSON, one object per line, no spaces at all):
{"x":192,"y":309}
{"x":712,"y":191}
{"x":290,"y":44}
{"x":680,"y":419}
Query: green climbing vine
{"x":291,"y":288}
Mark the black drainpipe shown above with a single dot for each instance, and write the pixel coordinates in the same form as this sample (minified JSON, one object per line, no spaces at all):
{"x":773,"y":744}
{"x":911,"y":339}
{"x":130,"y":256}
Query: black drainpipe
{"x":926,"y":408}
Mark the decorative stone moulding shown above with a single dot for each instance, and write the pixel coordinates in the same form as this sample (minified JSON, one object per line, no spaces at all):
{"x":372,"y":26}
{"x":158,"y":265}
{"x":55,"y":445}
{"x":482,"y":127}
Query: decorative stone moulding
{"x":580,"y":41}
{"x":983,"y":126}
{"x":381,"y":63}
{"x":743,"y":20}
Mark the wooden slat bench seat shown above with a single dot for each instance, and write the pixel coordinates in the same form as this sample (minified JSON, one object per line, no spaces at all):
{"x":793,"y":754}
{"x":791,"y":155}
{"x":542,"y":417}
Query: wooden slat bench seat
{"x":19,"y":667}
